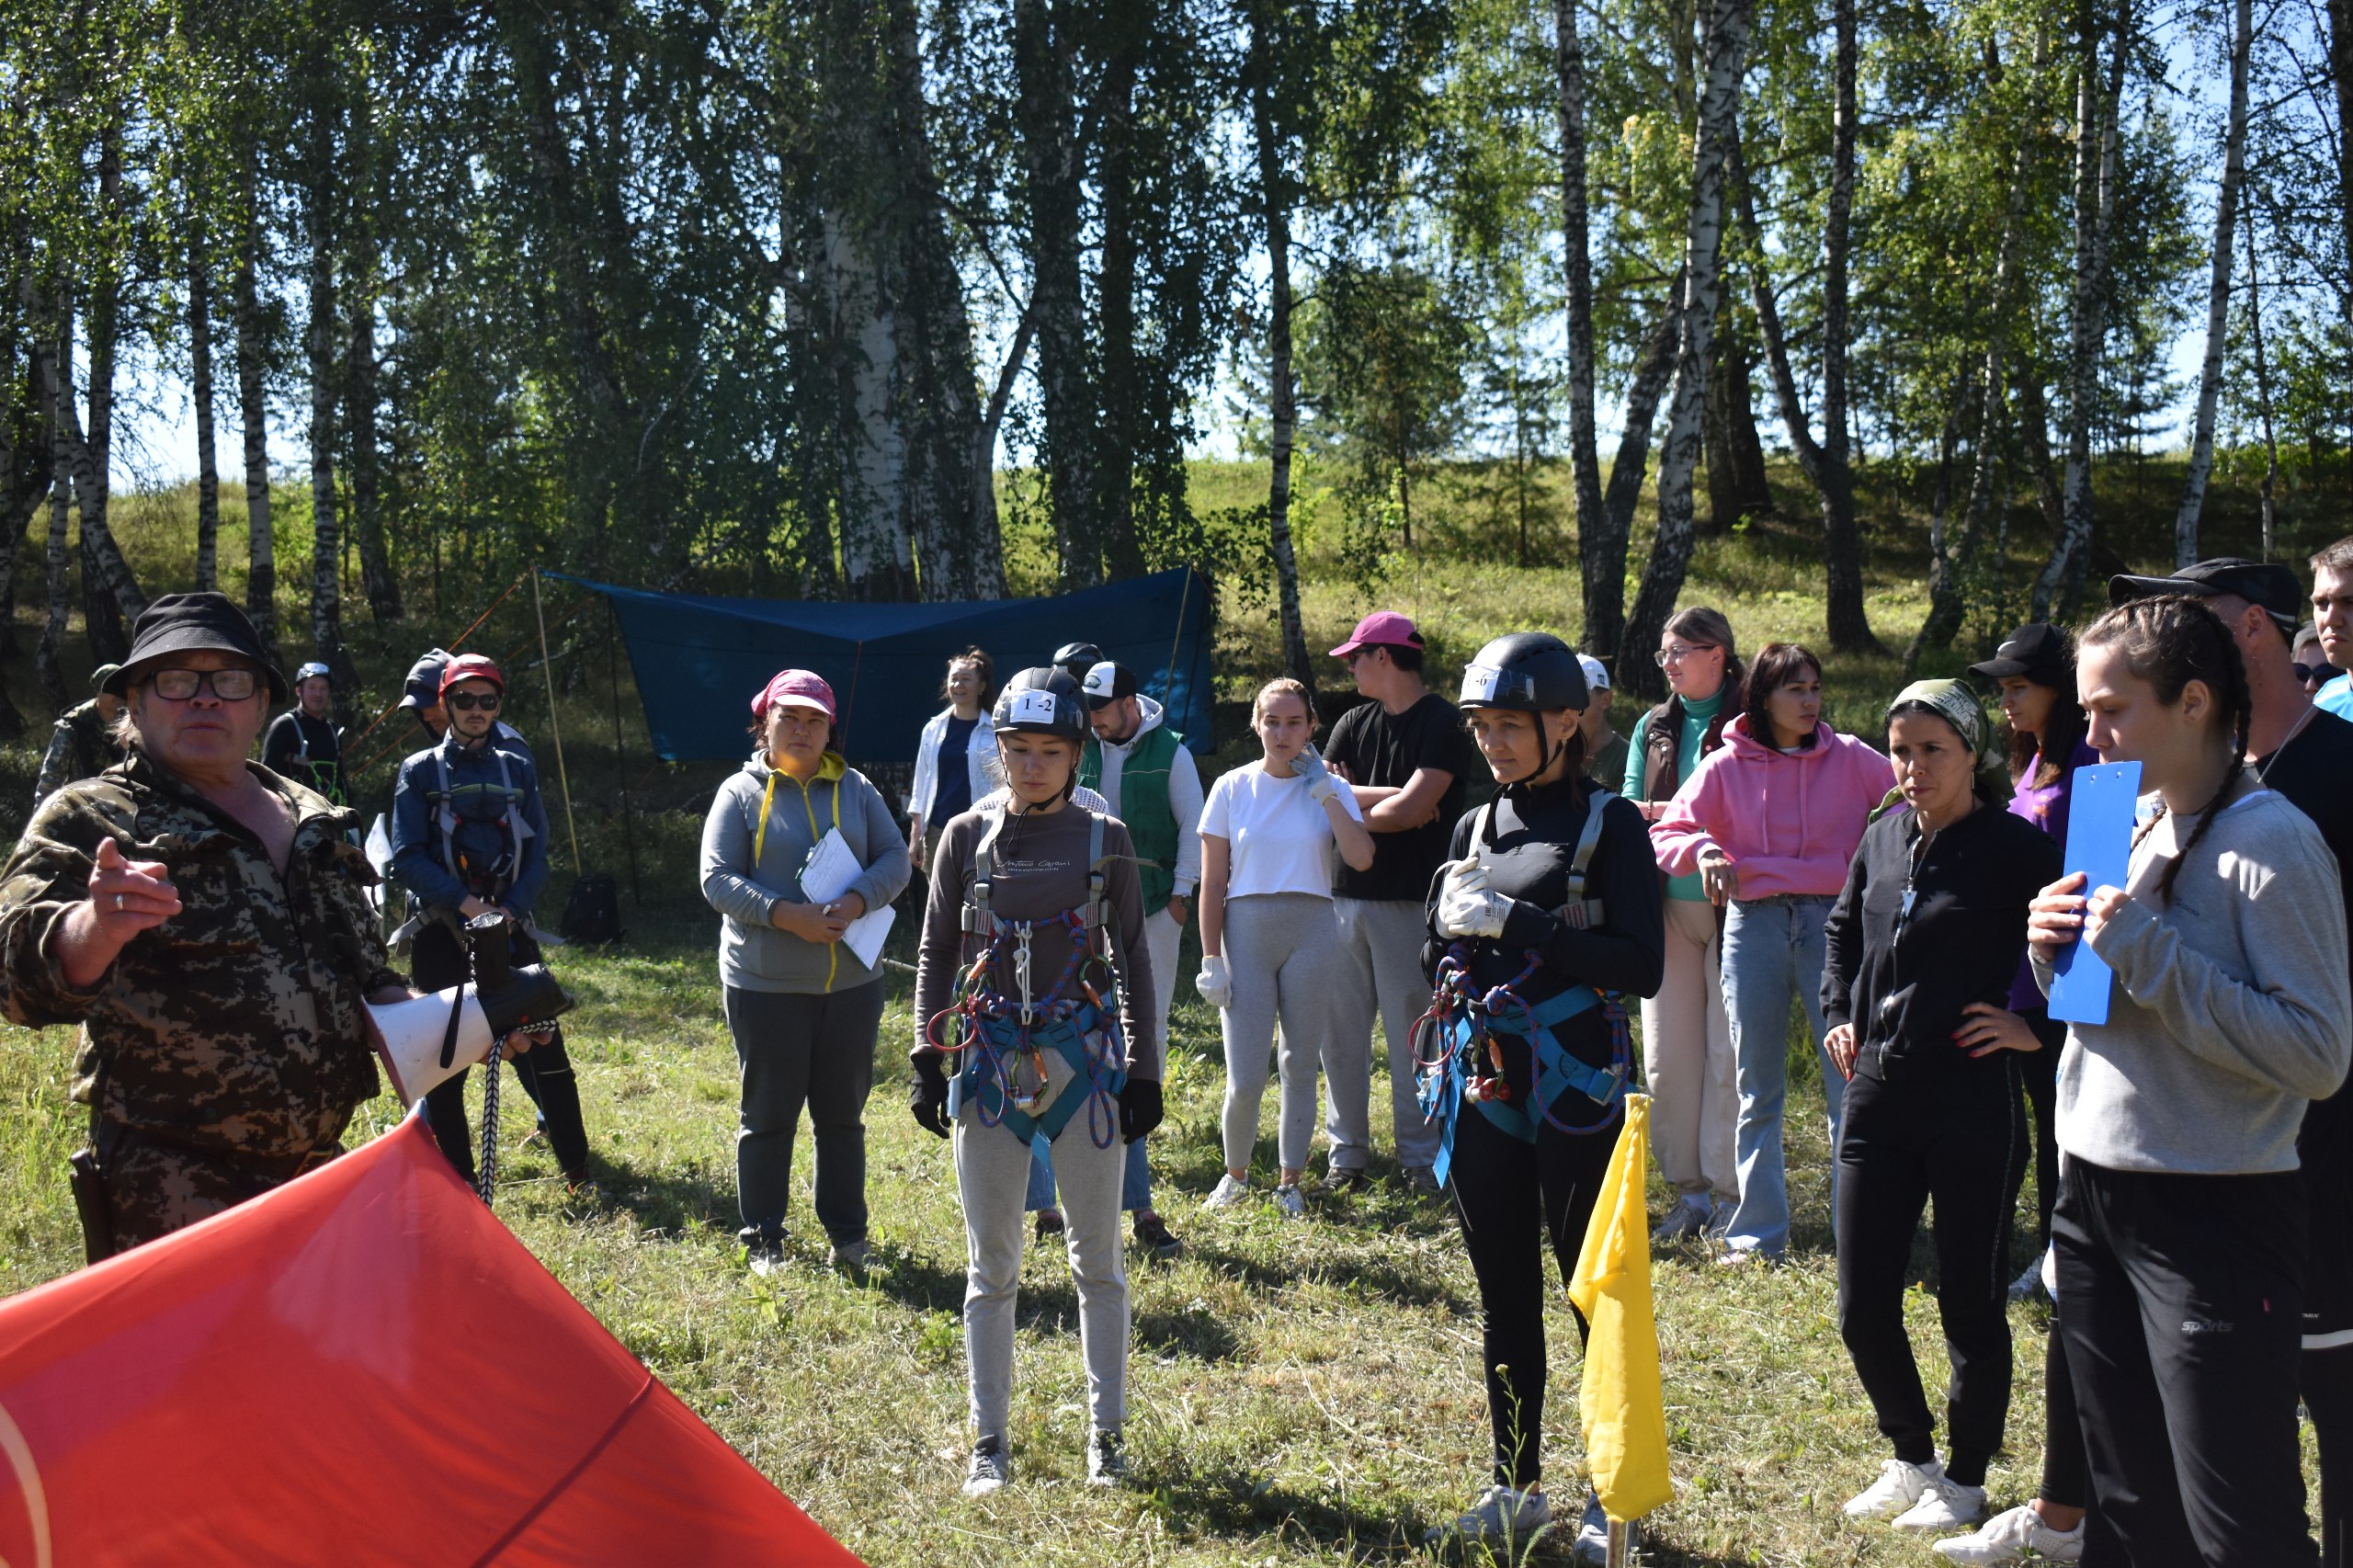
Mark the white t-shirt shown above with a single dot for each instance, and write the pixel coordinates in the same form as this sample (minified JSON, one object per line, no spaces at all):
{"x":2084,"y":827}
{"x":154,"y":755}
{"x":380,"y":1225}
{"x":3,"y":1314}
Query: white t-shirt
{"x":1281,"y":840}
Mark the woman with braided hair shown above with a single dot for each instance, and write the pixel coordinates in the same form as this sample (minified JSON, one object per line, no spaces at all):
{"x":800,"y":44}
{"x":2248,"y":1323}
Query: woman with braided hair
{"x":2180,"y":1231}
{"x":1548,"y":911}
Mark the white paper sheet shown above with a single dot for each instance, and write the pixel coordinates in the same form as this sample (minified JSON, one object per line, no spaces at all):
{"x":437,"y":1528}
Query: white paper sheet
{"x":832,"y":869}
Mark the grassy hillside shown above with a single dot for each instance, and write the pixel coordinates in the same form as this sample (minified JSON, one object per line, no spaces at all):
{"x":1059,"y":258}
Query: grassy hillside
{"x":1302,"y":1393}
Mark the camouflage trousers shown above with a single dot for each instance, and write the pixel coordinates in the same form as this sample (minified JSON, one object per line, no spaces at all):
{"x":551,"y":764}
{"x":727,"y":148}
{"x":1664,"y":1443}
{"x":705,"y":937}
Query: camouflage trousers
{"x":153,"y":1189}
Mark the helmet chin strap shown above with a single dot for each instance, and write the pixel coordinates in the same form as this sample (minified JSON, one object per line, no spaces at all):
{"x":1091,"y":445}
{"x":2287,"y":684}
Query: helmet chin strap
{"x":1552,"y":751}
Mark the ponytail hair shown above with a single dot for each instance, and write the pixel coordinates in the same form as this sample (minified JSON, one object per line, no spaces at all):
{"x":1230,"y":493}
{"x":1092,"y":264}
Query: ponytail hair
{"x":2169,"y":640}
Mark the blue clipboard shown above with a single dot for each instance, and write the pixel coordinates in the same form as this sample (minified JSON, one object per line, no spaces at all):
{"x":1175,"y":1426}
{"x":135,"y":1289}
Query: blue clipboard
{"x":2100,"y":808}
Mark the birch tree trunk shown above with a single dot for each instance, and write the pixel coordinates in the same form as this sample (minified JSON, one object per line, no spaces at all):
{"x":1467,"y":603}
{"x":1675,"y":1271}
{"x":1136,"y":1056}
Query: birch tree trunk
{"x":110,"y":594}
{"x":1947,"y":568}
{"x":1049,"y":157}
{"x":327,"y":532}
{"x":1282,"y":413}
{"x":2217,"y":294}
{"x":1604,"y":586}
{"x":1115,"y":292}
{"x":252,"y":415}
{"x":2340,"y":60}
{"x":199,"y":358}
{"x":1726,"y":46}
{"x":2262,"y":383}
{"x":1847,"y":616}
{"x":2097,"y":108}
{"x":1627,"y":473}
{"x":52,"y":633}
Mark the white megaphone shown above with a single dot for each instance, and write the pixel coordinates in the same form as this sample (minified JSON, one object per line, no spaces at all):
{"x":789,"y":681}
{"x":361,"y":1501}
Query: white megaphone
{"x":428,"y":1039}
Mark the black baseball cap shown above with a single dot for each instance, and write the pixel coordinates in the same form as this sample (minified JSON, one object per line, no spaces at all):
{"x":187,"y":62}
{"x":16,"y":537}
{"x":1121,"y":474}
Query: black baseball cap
{"x":190,"y":623}
{"x":2036,"y":650}
{"x":2270,"y":583}
{"x":1106,"y":684}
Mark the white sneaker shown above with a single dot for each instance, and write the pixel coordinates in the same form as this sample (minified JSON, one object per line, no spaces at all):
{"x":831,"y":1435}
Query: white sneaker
{"x":1898,"y":1487}
{"x":1947,"y":1505}
{"x":1686,"y":1219}
{"x":1500,"y":1514}
{"x":2014,"y":1537}
{"x":1290,"y":1202}
{"x":1229,"y":1193}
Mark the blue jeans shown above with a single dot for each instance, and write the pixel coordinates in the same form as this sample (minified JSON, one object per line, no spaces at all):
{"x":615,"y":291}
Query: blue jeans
{"x":1772,"y":947}
{"x":1135,"y":1181}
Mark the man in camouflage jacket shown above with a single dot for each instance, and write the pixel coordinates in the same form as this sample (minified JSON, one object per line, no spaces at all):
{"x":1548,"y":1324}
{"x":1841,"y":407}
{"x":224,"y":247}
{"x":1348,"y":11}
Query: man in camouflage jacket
{"x":83,"y":744}
{"x":226,"y":1041}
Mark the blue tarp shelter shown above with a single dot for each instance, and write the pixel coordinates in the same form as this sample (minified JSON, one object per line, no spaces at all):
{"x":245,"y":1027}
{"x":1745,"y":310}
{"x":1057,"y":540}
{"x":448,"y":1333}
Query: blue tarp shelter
{"x":700,"y":660}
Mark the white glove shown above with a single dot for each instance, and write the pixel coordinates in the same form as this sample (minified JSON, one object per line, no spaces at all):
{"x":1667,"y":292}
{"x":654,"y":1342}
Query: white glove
{"x":1477,"y":913}
{"x":1214,"y":983}
{"x":1321,"y":785}
{"x":1468,"y":875}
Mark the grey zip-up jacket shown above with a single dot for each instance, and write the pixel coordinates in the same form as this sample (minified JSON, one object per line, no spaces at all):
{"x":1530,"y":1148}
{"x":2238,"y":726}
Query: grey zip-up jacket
{"x":745,"y":876}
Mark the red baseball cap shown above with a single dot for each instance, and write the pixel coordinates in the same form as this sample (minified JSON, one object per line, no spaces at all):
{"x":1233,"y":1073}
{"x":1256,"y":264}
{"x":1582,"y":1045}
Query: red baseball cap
{"x":1381,"y":628}
{"x":471,"y":667}
{"x":795,"y":689}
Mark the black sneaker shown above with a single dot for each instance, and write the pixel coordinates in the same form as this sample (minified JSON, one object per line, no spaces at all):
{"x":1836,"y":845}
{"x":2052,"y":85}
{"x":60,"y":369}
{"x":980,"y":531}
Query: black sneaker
{"x":1153,"y":1235}
{"x":1050,"y":1223}
{"x":764,"y":1254}
{"x":1347,"y":1181}
{"x":1106,"y":1458}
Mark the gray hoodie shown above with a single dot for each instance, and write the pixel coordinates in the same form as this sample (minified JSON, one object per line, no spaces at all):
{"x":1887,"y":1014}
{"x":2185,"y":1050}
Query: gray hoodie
{"x":746,"y":887}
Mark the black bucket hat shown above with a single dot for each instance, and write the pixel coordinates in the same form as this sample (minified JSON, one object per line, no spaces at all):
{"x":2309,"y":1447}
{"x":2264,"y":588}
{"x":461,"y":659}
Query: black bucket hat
{"x":191,"y":624}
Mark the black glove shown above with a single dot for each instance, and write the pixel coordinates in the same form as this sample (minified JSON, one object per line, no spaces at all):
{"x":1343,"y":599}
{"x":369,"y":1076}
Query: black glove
{"x":927,"y":1099}
{"x":1140,"y":1107}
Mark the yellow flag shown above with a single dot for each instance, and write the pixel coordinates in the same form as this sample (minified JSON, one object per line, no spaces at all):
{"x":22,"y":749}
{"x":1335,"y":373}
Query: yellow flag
{"x":1625,"y":1413}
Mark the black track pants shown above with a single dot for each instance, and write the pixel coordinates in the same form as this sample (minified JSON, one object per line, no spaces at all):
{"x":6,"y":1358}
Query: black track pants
{"x":437,"y":961}
{"x":2179,"y":1297}
{"x":1959,"y":1142}
{"x":2039,"y":1072}
{"x":1513,"y":1198}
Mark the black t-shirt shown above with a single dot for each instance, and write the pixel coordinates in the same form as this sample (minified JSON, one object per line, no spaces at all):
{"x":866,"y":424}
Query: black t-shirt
{"x":307,"y":750}
{"x":953,"y":797}
{"x":1385,"y":751}
{"x":2314,"y":772}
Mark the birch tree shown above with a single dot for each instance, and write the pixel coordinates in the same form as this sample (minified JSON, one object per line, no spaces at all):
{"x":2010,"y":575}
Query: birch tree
{"x":2218,"y":293}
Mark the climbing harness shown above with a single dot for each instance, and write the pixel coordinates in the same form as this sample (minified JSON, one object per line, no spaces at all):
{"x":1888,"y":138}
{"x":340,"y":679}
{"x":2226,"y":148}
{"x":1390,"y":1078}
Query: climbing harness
{"x":1000,"y":1037}
{"x":1457,"y":1056}
{"x":447,"y":818}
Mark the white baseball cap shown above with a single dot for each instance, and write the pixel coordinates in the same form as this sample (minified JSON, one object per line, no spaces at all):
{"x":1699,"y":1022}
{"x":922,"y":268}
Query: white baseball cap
{"x":1597,"y":673}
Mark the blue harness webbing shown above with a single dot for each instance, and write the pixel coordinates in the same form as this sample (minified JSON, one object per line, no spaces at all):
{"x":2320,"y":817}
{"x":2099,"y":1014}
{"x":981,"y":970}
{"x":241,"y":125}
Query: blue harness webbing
{"x":1000,"y":1037}
{"x":1461,"y":1023}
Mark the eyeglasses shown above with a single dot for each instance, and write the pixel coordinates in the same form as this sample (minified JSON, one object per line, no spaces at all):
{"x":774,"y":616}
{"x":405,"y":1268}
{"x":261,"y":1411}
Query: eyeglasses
{"x":2313,"y":675}
{"x":227,"y":686}
{"x":466,"y":701}
{"x":1675,"y":653}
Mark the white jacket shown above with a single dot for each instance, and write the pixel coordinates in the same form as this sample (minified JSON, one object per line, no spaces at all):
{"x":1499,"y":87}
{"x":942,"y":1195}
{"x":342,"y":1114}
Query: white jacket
{"x":979,"y":763}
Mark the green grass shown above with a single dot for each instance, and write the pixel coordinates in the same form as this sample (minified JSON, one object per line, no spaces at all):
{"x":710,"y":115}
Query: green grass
{"x":1304,"y":1393}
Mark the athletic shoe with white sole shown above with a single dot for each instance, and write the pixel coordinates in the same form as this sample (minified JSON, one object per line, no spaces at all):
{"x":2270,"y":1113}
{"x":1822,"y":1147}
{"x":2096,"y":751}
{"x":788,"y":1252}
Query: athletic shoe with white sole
{"x":1230,"y":1191}
{"x":1500,"y":1515}
{"x":1592,"y":1545}
{"x":1106,"y":1458}
{"x":991,"y":1468}
{"x":2017,"y":1535}
{"x":1686,"y":1219}
{"x":1422,"y":1182}
{"x":1947,"y":1505}
{"x":1290,"y":1202}
{"x":1898,"y":1487}
{"x":849,"y":1257}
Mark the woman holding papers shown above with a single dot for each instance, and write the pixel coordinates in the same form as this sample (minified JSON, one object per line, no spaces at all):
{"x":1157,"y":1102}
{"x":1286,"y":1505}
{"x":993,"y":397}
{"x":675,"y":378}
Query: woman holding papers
{"x":1548,"y":913}
{"x":2180,"y":1231}
{"x":803,"y":1009}
{"x":1929,"y":928}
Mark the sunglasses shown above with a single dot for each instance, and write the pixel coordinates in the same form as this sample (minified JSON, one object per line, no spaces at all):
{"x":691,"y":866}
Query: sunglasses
{"x":2313,"y":675}
{"x":466,"y":701}
{"x":228,"y":685}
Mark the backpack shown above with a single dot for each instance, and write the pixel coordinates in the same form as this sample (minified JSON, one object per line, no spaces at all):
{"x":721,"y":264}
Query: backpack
{"x":593,"y":912}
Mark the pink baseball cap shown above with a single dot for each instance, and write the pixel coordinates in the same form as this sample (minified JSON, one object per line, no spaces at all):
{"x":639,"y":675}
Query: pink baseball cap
{"x":1381,"y":628}
{"x":795,"y":689}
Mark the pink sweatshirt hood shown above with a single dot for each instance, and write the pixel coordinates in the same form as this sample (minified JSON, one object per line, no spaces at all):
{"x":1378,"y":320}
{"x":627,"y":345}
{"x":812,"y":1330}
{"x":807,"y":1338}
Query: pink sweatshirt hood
{"x":1790,"y":820}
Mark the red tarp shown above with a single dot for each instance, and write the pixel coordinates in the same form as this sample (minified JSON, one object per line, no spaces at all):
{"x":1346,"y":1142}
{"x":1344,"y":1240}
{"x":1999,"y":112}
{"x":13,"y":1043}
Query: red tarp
{"x":362,"y":1366}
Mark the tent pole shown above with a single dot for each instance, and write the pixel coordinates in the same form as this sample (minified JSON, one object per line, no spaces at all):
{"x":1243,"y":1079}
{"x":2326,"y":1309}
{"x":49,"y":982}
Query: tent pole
{"x":554,"y":728}
{"x":613,"y":675}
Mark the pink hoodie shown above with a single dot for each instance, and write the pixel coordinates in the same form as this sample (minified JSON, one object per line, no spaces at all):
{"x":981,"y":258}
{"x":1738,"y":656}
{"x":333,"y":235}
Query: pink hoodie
{"x":1789,"y":822}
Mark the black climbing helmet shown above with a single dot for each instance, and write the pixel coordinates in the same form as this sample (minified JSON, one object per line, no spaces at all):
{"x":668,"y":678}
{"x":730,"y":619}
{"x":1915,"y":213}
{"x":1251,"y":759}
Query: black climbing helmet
{"x":1533,"y":672}
{"x":1075,"y":659}
{"x":1042,"y":701}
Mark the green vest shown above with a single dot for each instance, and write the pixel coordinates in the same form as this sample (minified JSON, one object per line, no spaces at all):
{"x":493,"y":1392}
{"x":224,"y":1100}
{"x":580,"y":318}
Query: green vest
{"x":1143,"y":806}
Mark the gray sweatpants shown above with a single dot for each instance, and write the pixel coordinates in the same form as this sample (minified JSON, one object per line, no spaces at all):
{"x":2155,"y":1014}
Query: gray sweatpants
{"x":1283,"y":950}
{"x":1381,"y":939}
{"x":992,"y":1172}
